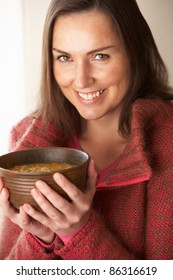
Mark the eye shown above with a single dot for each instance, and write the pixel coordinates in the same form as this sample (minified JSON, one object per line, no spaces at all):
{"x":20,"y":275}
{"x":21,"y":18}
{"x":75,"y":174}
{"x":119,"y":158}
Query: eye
{"x":101,"y":56}
{"x":63,"y":58}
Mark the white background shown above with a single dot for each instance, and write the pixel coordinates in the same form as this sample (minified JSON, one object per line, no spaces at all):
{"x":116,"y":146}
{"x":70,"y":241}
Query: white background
{"x":84,"y":270}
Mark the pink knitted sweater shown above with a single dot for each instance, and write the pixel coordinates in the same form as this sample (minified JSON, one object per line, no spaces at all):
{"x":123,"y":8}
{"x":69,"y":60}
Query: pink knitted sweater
{"x":132,"y":214}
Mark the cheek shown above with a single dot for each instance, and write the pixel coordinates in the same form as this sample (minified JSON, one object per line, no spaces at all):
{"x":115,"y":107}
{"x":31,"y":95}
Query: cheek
{"x":118,"y":75}
{"x":61,"y":77}
{"x":115,"y":72}
{"x":63,"y":82}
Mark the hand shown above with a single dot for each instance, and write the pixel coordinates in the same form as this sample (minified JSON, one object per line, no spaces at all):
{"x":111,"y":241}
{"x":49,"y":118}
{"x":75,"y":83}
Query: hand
{"x":61,"y":216}
{"x":22,"y":219}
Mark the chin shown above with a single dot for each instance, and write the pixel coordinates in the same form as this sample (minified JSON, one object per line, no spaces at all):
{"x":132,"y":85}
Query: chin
{"x":90,"y":117}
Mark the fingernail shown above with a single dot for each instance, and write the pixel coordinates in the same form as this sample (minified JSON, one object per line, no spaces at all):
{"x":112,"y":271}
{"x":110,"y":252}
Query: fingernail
{"x":35,"y":192}
{"x":26,"y":207}
{"x":58,"y":176}
{"x":39,"y":184}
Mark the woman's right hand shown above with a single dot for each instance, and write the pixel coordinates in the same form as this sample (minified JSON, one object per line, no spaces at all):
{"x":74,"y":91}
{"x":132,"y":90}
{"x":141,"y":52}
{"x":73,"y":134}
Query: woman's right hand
{"x":22,"y":219}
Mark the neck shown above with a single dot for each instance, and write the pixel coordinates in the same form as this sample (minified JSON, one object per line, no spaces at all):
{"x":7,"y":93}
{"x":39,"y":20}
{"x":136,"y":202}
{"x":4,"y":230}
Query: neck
{"x":103,"y":126}
{"x":101,"y":140}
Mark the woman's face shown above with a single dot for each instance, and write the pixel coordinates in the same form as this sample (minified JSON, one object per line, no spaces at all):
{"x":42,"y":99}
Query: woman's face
{"x":89,"y":63}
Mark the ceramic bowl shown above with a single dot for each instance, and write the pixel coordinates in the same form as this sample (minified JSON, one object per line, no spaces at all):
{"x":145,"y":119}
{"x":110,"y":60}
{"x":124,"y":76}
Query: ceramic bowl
{"x":20,"y":184}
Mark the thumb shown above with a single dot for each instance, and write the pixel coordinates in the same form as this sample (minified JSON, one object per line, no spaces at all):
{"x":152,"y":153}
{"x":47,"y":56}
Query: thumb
{"x":1,"y":184}
{"x":92,"y":177}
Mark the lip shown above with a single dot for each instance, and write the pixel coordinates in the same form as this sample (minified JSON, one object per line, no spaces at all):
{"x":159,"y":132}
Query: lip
{"x":88,"y":101}
{"x":90,"y":92}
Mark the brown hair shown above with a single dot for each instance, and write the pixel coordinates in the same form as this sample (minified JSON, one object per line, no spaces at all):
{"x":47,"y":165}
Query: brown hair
{"x":149,"y":77}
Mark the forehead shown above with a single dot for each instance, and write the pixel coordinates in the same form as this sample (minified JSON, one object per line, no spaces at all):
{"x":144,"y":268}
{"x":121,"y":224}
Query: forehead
{"x":84,"y":27}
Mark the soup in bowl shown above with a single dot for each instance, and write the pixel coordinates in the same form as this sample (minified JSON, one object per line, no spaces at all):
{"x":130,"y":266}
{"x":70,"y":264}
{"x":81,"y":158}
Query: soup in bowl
{"x":21,"y":169}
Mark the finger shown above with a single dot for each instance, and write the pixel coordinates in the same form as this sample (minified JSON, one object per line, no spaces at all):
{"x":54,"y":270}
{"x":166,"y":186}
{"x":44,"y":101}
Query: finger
{"x":47,"y":191}
{"x":4,"y":195}
{"x":8,"y":210}
{"x":23,"y":218}
{"x":71,"y":190}
{"x":36,"y":223}
{"x":92,"y":179}
{"x":38,"y":216}
{"x":81,"y":202}
{"x":74,"y":193}
{"x":54,"y":219}
{"x":1,"y":184}
{"x":5,"y":204}
{"x":58,"y":204}
{"x":91,"y":169}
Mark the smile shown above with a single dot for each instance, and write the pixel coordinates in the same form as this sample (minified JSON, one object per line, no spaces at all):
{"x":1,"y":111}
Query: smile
{"x":91,"y":96}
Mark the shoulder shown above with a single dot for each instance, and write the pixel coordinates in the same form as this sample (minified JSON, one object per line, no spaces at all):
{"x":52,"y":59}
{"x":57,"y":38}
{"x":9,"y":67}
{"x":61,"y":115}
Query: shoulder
{"x":152,"y":114}
{"x":31,"y":132}
{"x":153,"y":122}
{"x":153,"y":109}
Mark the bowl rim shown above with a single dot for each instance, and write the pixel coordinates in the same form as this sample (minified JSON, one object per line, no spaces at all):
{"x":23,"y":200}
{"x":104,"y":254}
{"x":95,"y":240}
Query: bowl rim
{"x":13,"y":172}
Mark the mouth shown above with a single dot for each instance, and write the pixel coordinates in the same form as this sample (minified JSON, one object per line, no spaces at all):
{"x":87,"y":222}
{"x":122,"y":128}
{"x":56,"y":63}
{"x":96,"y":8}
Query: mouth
{"x":91,"y":95}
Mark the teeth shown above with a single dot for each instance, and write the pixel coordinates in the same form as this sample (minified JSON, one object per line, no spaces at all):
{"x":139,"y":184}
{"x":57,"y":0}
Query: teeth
{"x":90,"y":96}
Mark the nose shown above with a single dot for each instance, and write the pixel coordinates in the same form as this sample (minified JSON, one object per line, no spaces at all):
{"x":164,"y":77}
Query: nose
{"x":83,"y":77}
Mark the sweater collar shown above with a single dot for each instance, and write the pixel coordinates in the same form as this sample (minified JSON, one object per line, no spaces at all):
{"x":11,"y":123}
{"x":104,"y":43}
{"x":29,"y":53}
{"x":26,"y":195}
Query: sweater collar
{"x":132,"y":166}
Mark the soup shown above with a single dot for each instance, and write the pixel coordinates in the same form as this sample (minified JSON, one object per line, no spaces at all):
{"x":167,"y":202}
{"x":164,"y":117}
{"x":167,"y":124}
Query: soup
{"x":41,"y":167}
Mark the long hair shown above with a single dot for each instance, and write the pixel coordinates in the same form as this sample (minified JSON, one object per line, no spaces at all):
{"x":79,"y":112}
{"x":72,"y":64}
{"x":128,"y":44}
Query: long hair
{"x":148,"y":74}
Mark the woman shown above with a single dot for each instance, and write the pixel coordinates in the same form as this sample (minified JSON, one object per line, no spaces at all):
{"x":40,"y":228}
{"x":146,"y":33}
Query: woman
{"x":104,"y":90}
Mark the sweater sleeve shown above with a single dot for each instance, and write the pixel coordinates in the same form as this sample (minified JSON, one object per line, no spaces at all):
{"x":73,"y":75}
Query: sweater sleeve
{"x":30,"y":133}
{"x":94,"y":241}
{"x":17,"y":244}
{"x":159,"y":216}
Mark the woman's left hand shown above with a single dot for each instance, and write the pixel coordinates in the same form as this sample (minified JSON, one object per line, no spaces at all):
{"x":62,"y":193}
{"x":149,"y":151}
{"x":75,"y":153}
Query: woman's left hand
{"x":61,"y":216}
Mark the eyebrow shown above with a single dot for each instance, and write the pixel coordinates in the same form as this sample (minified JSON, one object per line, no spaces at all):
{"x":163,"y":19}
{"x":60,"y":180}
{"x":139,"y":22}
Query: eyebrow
{"x":90,"y":52}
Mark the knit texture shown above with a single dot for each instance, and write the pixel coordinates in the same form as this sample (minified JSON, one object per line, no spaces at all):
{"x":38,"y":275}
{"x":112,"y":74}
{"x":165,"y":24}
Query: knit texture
{"x":132,"y":213}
